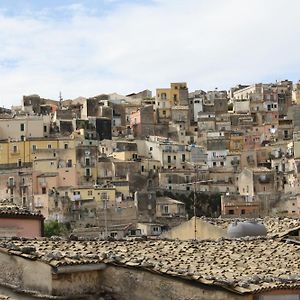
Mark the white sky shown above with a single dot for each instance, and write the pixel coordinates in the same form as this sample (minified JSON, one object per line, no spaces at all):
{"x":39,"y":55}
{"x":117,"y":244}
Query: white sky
{"x":135,"y":45}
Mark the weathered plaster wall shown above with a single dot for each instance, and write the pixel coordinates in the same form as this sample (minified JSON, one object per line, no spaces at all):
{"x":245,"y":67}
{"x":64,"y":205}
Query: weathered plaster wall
{"x":131,"y":284}
{"x":186,"y":231}
{"x":29,"y":228}
{"x":25,"y":274}
{"x":75,"y":284}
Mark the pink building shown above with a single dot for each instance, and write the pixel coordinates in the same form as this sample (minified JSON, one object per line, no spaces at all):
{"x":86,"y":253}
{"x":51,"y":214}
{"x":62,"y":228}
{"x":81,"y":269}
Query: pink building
{"x":16,"y":221}
{"x":142,"y":122}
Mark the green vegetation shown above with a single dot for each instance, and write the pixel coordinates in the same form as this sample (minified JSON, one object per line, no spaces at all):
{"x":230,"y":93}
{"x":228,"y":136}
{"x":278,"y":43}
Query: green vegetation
{"x":54,"y":228}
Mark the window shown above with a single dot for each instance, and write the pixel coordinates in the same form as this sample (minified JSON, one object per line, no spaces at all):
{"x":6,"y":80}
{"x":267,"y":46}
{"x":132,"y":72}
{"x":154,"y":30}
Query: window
{"x":22,"y":126}
{"x":104,"y":198}
{"x":15,"y":149}
{"x":45,"y":128}
{"x":19,"y":163}
{"x":44,"y":190}
{"x":87,"y":172}
{"x":87,"y":161}
{"x":231,"y":212}
{"x":69,"y":163}
{"x":49,"y":146}
{"x":214,"y":163}
{"x":22,"y":138}
{"x":33,"y":147}
{"x":10,"y":182}
{"x":104,"y":195}
{"x":222,"y":163}
{"x":90,"y":193}
{"x":66,"y":146}
{"x":243,"y":212}
{"x":143,"y":168}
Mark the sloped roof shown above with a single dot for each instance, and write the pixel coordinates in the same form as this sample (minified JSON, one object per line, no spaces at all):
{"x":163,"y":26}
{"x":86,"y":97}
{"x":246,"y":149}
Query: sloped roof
{"x":15,"y":211}
{"x":248,"y":265}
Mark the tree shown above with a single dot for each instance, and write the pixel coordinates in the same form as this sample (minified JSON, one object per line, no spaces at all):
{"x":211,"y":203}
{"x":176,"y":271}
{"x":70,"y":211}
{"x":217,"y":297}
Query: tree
{"x":54,"y":228}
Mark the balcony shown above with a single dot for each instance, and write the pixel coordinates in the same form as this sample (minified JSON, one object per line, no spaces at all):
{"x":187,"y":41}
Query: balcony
{"x":76,"y":197}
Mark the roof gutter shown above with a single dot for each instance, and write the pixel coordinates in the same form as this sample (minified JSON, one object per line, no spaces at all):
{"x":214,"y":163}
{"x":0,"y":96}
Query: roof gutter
{"x":78,"y":268}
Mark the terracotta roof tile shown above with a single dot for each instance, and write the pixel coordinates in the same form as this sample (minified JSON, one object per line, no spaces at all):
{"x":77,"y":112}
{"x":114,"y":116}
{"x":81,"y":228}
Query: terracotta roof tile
{"x":241,"y":265}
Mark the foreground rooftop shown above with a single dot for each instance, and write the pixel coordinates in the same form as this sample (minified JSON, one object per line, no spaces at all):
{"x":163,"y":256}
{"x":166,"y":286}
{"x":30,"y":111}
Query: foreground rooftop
{"x":248,"y":265}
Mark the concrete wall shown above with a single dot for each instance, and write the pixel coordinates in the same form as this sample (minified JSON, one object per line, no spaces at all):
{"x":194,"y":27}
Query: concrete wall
{"x":186,"y":231}
{"x":130,"y":284}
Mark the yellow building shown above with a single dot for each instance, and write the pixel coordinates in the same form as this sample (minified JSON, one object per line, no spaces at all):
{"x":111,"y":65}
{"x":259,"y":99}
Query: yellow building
{"x":20,"y":153}
{"x":166,"y":98}
{"x":236,"y":143}
{"x":100,"y":195}
{"x":125,"y":155}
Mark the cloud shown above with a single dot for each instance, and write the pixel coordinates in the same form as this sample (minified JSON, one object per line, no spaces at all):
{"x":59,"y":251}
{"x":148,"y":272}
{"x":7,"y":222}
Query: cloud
{"x":138,"y":45}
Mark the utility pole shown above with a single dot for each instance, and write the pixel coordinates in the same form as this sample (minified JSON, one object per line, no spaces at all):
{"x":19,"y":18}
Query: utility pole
{"x":105,"y":217}
{"x":195,"y":221}
{"x":104,"y":198}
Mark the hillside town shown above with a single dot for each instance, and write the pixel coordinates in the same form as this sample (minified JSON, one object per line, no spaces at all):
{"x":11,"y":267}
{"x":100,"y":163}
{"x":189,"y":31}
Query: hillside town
{"x":197,"y":192}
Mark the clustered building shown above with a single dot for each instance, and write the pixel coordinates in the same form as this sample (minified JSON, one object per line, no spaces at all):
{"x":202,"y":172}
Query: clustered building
{"x":101,"y":164}
{"x":100,"y":161}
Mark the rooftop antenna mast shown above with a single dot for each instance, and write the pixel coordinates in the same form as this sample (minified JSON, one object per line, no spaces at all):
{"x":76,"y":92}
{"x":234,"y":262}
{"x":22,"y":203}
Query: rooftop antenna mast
{"x":60,"y":100}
